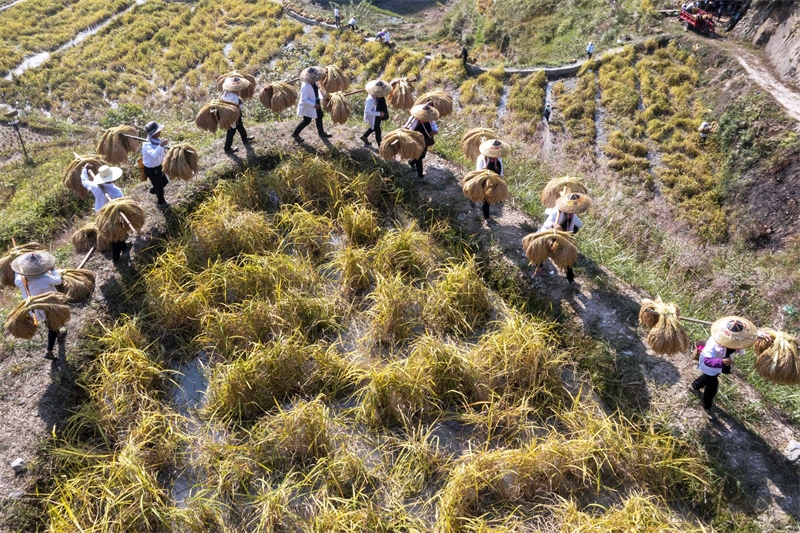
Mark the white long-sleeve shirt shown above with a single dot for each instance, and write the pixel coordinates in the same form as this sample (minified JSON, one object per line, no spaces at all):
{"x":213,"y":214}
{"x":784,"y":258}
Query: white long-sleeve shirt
{"x":97,"y":190}
{"x":550,"y":221}
{"x":307,"y":101}
{"x":41,"y":284}
{"x":590,"y":48}
{"x":371,"y":110}
{"x":713,"y":350}
{"x":232,"y":97}
{"x":152,"y":153}
{"x":482,"y":162}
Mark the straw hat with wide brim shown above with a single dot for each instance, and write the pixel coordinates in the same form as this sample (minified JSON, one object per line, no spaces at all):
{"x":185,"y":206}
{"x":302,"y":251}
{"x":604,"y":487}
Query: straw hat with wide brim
{"x":734,"y":332}
{"x":107,"y":174}
{"x":33,"y":263}
{"x":235,"y":84}
{"x":494,"y":148}
{"x":313,"y":74}
{"x":425,"y":113}
{"x":379,"y":88}
{"x":11,"y":114}
{"x":573,"y":202}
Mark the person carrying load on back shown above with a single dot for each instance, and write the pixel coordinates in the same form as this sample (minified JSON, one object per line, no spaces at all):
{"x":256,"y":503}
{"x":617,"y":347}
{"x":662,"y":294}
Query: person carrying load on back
{"x":103,"y":189}
{"x":375,"y":109}
{"x":352,"y":23}
{"x":309,"y":105}
{"x":230,"y":93}
{"x":729,"y":336}
{"x":35,"y":275}
{"x":152,"y":158}
{"x":423,"y":119}
{"x":564,"y":217}
{"x":590,"y":49}
{"x":384,"y":37}
{"x":491,"y":158}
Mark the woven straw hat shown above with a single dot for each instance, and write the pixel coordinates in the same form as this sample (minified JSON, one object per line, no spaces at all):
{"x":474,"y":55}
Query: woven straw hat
{"x":734,"y":332}
{"x":494,"y":148}
{"x":313,"y":74}
{"x":573,"y":202}
{"x":235,"y":83}
{"x":11,"y":114}
{"x":425,"y":113}
{"x":378,"y":88}
{"x":33,"y":263}
{"x":107,"y":174}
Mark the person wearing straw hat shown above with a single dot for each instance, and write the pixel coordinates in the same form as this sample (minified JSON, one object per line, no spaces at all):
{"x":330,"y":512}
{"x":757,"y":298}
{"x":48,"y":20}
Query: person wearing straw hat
{"x":230,"y":93}
{"x":704,"y":130}
{"x":152,"y":157}
{"x":384,"y":37}
{"x":35,"y":275}
{"x":375,"y":109}
{"x":590,"y":49}
{"x":103,"y":189}
{"x":352,"y":23}
{"x":423,"y":119}
{"x":491,"y":158}
{"x":564,"y":217}
{"x":309,"y":105}
{"x":729,"y":335}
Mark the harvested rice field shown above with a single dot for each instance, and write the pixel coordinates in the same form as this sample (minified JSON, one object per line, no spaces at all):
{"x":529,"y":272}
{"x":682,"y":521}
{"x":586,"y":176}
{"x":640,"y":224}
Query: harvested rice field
{"x":307,"y":337}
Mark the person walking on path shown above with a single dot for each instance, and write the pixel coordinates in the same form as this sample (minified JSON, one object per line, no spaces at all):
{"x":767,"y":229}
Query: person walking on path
{"x":375,"y":109}
{"x":152,"y":158}
{"x":590,"y":49}
{"x":423,"y":119}
{"x":704,"y":130}
{"x":309,"y":105}
{"x":35,"y":275}
{"x":729,"y":336}
{"x":384,"y":37}
{"x":337,"y":17}
{"x":352,"y":23}
{"x":464,"y":56}
{"x":230,"y":93}
{"x":103,"y":189}
{"x":564,"y":217}
{"x":491,"y":158}
{"x":546,"y":113}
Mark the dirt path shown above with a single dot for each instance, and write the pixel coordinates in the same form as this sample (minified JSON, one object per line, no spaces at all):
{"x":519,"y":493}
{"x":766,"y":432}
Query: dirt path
{"x":786,"y":96}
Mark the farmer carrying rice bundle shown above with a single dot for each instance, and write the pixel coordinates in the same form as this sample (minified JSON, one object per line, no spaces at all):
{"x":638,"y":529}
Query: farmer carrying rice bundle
{"x":564,"y":217}
{"x":152,"y":159}
{"x":375,"y":109}
{"x":423,"y":120}
{"x":230,"y":93}
{"x":309,"y":106}
{"x":102,"y":187}
{"x":491,"y":158}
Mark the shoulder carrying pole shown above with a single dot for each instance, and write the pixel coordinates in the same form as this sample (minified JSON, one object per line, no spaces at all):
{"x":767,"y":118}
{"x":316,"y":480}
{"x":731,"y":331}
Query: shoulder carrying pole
{"x":684,"y":318}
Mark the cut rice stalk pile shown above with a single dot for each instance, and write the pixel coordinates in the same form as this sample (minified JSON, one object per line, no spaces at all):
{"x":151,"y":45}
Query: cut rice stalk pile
{"x":277,"y":96}
{"x":472,"y":139}
{"x":245,"y":94}
{"x":6,"y":273}
{"x":217,"y":114}
{"x":115,"y":144}
{"x":552,"y":191}
{"x":72,"y":174}
{"x":777,"y":357}
{"x":667,"y":335}
{"x":84,"y":238}
{"x":442,"y":101}
{"x":338,"y":106}
{"x":408,"y":144}
{"x":77,"y":284}
{"x":111,"y":219}
{"x":180,"y":161}
{"x":560,"y":246}
{"x":335,"y":80}
{"x":20,"y":322}
{"x":402,"y":95}
{"x":480,"y":185}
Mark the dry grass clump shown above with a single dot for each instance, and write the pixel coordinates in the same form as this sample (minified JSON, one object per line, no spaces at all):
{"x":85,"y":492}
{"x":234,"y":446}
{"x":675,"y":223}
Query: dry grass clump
{"x":638,"y":512}
{"x":77,"y":283}
{"x":458,"y":300}
{"x":440,"y":100}
{"x":307,"y":233}
{"x":395,"y":310}
{"x":402,"y":95}
{"x":7,"y":274}
{"x":579,"y":110}
{"x":455,"y":377}
{"x":625,"y":154}
{"x":406,"y":143}
{"x":71,"y":178}
{"x":777,"y":357}
{"x":396,"y":394}
{"x":117,"y":217}
{"x":180,"y":161}
{"x":667,"y":335}
{"x":338,"y":106}
{"x":472,"y":140}
{"x":360,"y":223}
{"x":354,"y":266}
{"x":20,"y":321}
{"x":217,"y":114}
{"x":115,"y":145}
{"x":406,"y":251}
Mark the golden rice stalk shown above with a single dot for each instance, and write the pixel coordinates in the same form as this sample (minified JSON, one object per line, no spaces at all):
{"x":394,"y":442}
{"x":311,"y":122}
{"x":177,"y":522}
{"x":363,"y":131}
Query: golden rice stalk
{"x":245,"y":94}
{"x":77,"y":284}
{"x":667,"y":336}
{"x":217,"y":114}
{"x":112,"y":225}
{"x":778,"y":360}
{"x":496,"y":189}
{"x":552,"y":191}
{"x":651,"y":309}
{"x":71,"y":178}
{"x":335,"y":80}
{"x":402,"y":95}
{"x":472,"y":139}
{"x":6,"y":274}
{"x":765,"y":340}
{"x":283,"y":96}
{"x":20,"y":323}
{"x":180,"y":161}
{"x":409,"y":144}
{"x":442,"y":101}
{"x":338,"y":106}
{"x":115,"y":147}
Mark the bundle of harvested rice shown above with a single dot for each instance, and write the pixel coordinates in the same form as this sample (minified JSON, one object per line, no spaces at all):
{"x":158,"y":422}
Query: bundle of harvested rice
{"x":777,"y":357}
{"x":217,"y":114}
{"x":338,"y":106}
{"x":20,"y":322}
{"x":480,"y":185}
{"x":409,"y":144}
{"x":111,"y":219}
{"x":402,"y":95}
{"x":472,"y":139}
{"x":76,"y":283}
{"x":472,"y":186}
{"x":442,"y":101}
{"x":84,"y":238}
{"x":335,"y":80}
{"x":72,"y":174}
{"x":277,"y":96}
{"x":552,"y":191}
{"x":180,"y":161}
{"x":6,"y":273}
{"x":496,"y":190}
{"x":245,"y":94}
{"x":560,"y":246}
{"x":265,"y":96}
{"x":667,"y":335}
{"x":115,"y":144}
{"x":536,"y":249}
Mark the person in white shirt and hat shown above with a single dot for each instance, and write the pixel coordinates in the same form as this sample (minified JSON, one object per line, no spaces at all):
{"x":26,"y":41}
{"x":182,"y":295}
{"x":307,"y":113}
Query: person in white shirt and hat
{"x":309,"y":105}
{"x":704,"y":130}
{"x":423,"y":119}
{"x":375,"y":109}
{"x":352,"y":23}
{"x":103,"y":189}
{"x":590,"y":49}
{"x":230,"y":93}
{"x":152,"y":158}
{"x":35,"y":275}
{"x":564,"y":217}
{"x":491,"y":158}
{"x":384,"y":37}
{"x":730,"y":335}
{"x":337,"y":17}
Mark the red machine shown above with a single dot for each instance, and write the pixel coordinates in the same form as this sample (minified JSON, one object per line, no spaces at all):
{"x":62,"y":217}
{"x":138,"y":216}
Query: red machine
{"x":698,"y":20}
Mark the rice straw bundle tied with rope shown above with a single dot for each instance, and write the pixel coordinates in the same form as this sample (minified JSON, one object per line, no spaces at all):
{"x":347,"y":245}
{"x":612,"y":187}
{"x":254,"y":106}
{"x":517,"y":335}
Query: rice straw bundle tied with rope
{"x":442,"y":101}
{"x":217,"y":114}
{"x":560,"y":246}
{"x":21,"y":321}
{"x":180,"y":161}
{"x":406,"y":143}
{"x":667,"y":336}
{"x":558,"y":186}
{"x":245,"y":94}
{"x":335,"y":80}
{"x":116,"y":143}
{"x":472,"y":139}
{"x":777,"y":357}
{"x":118,"y":217}
{"x":6,"y":272}
{"x":71,"y":178}
{"x":484,"y":185}
{"x":402,"y":95}
{"x":338,"y":106}
{"x":77,"y":283}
